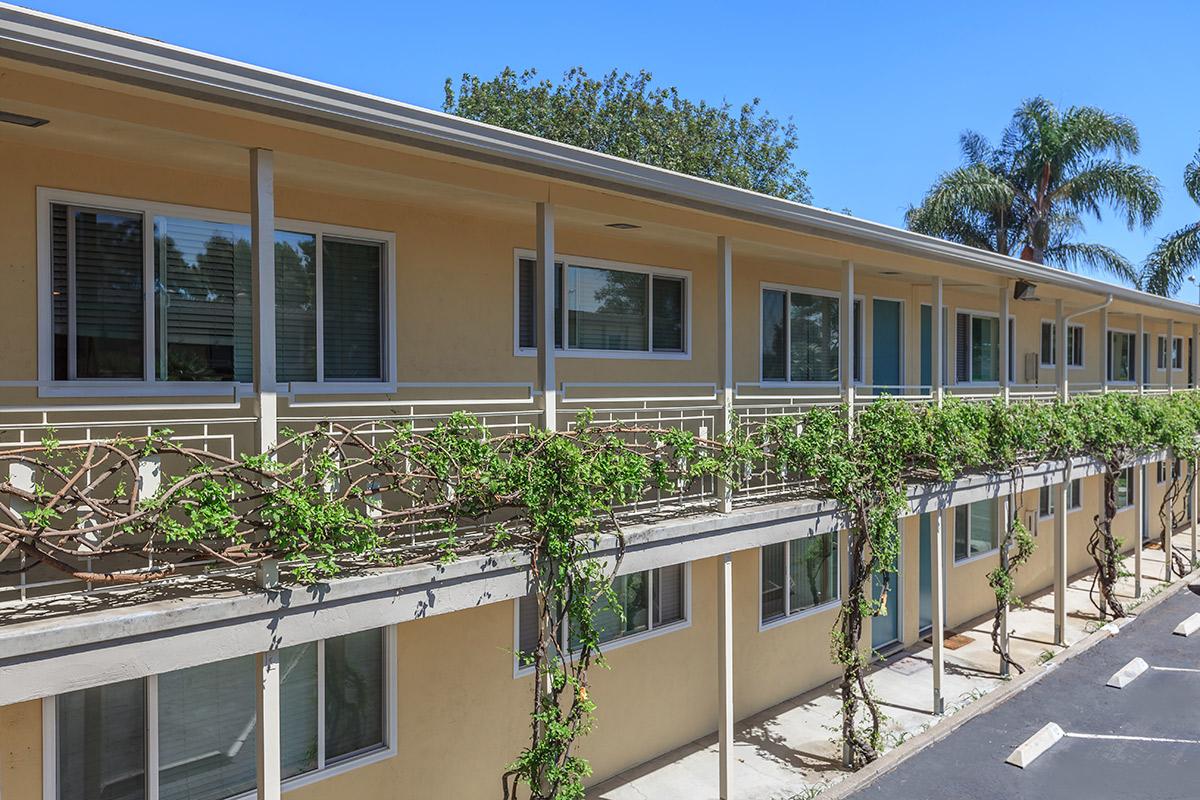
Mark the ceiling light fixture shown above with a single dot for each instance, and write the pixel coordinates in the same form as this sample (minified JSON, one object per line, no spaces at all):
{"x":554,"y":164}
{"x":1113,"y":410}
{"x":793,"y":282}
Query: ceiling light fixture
{"x":623,"y":226}
{"x":21,"y":119}
{"x":889,"y":272}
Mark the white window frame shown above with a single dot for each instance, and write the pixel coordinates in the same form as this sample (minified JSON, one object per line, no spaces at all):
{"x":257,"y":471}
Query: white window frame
{"x":1130,"y":489}
{"x":149,"y":385}
{"x":1003,"y":331}
{"x":522,"y":670}
{"x":323,"y":770}
{"x":1177,"y":353}
{"x":1080,"y":335}
{"x":859,"y":334}
{"x":1133,"y":365}
{"x":788,"y":614}
{"x":958,"y":562}
{"x":567,"y":262}
{"x":1071,"y":509}
{"x":1161,"y":358}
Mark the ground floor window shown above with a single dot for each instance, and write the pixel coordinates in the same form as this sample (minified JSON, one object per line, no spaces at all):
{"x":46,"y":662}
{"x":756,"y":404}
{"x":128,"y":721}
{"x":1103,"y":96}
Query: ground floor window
{"x":799,"y":575}
{"x":642,"y":602}
{"x":1125,"y":488}
{"x":334,"y":706}
{"x":1047,"y":494}
{"x":975,"y":529}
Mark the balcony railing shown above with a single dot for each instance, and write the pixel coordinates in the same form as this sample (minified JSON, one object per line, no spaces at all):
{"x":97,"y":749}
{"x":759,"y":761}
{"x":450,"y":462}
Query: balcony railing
{"x":228,"y":428}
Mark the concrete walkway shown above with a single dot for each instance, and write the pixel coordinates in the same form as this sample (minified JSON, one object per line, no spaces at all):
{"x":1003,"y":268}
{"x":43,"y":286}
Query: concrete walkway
{"x":788,"y":752}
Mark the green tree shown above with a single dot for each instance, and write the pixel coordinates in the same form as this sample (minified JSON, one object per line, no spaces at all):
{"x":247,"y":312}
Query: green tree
{"x":1029,"y":194}
{"x":1178,"y":252}
{"x":624,"y":115}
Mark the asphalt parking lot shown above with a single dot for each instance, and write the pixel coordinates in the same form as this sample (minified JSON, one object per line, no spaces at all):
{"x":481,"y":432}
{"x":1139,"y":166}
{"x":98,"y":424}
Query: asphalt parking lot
{"x":1137,"y":743}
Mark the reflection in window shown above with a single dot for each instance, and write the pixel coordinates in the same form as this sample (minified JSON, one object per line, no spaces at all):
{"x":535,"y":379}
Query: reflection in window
{"x":102,"y":742}
{"x":799,"y":575}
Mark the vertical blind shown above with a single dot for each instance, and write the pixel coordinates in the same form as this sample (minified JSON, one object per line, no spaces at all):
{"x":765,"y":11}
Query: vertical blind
{"x":352,"y":277}
{"x":527,"y":304}
{"x":101,"y":742}
{"x":814,"y":329}
{"x":354,"y":693}
{"x":104,"y":291}
{"x":295,"y":306}
{"x":774,"y":335}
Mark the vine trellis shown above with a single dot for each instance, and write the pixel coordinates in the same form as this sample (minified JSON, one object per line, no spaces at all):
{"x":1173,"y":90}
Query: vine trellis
{"x":381,"y":493}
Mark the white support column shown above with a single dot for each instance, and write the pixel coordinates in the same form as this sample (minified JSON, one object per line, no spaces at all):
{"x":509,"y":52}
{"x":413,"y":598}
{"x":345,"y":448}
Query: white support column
{"x":1006,"y":521}
{"x":266,"y":729}
{"x":724,"y":352}
{"x":937,"y":599}
{"x":546,"y":379}
{"x":1170,"y":355}
{"x":1194,"y":358}
{"x":937,"y":330}
{"x":1139,"y":357}
{"x":1005,"y":355}
{"x":1170,"y":531}
{"x":1060,"y":550}
{"x":1104,"y":349}
{"x":1193,"y":499}
{"x":262,"y":270}
{"x":846,"y":334}
{"x":725,"y":672}
{"x":1143,"y":511}
{"x":1060,"y":351}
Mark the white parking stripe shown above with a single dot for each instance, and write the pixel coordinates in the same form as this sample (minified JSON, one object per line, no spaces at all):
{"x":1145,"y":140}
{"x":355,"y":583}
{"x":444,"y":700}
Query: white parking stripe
{"x":1176,"y":669}
{"x":1123,"y":738}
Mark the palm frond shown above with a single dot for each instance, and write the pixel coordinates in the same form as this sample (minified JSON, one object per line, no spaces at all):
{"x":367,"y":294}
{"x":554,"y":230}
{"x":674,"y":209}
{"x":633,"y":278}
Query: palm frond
{"x":1129,"y":188}
{"x":1171,"y":260}
{"x":1095,"y":257}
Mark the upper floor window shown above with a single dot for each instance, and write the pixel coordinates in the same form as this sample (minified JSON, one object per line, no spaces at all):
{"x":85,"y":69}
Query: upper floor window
{"x":334,"y":708}
{"x":154,"y":293}
{"x":1177,"y":353}
{"x":975,"y":531}
{"x":1050,"y":345}
{"x":1047,"y":494}
{"x":643,"y":602}
{"x":977,"y":353}
{"x":801,"y":336}
{"x":609,"y":308}
{"x":1120,"y":356}
{"x":799,"y":575}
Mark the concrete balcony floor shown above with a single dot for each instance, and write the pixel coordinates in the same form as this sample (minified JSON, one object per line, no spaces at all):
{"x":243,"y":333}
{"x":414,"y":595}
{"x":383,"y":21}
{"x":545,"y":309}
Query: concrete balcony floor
{"x":789,"y":751}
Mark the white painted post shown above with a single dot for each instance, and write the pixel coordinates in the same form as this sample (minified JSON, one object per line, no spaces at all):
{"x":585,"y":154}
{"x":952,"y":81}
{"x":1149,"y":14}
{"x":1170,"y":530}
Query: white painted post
{"x":1104,"y":350}
{"x":1170,"y":355}
{"x":1193,"y":499}
{"x":1006,"y":520}
{"x":547,"y":382}
{"x":1005,"y":356}
{"x":1170,"y":531}
{"x":1060,"y":548}
{"x":1060,"y":351}
{"x":266,"y":727}
{"x":846,"y":334}
{"x":1194,"y":358}
{"x":1140,"y":535}
{"x":1139,"y":356}
{"x":937,"y":551}
{"x":725,"y":671}
{"x":262,"y":270}
{"x":937,"y":330}
{"x":724,"y":353}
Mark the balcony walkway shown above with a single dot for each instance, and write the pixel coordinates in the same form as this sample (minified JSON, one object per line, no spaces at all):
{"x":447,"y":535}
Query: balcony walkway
{"x":787,"y":751}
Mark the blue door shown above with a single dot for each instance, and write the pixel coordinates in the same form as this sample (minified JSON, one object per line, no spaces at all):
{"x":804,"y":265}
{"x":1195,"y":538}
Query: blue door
{"x":926,"y":576}
{"x":885,"y":626}
{"x":886,"y":346}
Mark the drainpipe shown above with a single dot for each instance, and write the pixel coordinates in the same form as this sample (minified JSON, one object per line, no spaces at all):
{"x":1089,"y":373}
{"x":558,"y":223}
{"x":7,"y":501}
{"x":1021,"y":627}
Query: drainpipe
{"x":1060,"y":344}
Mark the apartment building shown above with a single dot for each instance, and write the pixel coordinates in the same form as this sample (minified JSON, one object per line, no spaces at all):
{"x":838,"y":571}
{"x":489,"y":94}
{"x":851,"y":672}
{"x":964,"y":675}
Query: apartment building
{"x":222,"y":250}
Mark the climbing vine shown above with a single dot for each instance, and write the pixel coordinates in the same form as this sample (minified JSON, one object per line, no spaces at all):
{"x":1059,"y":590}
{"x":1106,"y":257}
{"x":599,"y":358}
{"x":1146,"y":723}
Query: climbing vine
{"x":339,"y":497}
{"x":1016,"y":548}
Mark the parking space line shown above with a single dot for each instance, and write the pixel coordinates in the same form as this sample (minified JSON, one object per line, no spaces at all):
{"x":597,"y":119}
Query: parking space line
{"x":1123,"y":738}
{"x":1176,"y":669}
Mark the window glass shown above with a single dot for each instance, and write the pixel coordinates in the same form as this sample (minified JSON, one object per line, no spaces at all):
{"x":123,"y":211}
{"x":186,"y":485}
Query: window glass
{"x":812,"y":571}
{"x":985,"y":352}
{"x":352,"y":317}
{"x":974,"y":529}
{"x":774,"y":335}
{"x":98,"y":288}
{"x":1120,"y":356}
{"x":1046,"y":501}
{"x":527,"y":304}
{"x":206,"y":738}
{"x":668,"y":315}
{"x":631,"y":611}
{"x":202,"y":301}
{"x":1075,"y":495}
{"x":295,"y":306}
{"x":774,"y":571}
{"x":102,"y":742}
{"x":607,"y":309}
{"x":354,"y":693}
{"x":1074,"y":346}
{"x":298,"y":708}
{"x":1124,"y":488}
{"x":1048,"y":354}
{"x":669,"y":598}
{"x":814,"y":330}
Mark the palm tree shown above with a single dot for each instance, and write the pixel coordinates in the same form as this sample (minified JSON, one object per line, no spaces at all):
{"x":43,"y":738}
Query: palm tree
{"x":1179,"y":252}
{"x":1028,"y":196}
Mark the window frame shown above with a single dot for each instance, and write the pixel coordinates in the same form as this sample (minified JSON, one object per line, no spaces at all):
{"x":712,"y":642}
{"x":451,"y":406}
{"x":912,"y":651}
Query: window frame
{"x":149,"y":385}
{"x":1177,"y":353}
{"x":1080,"y":336}
{"x":523,"y":670}
{"x":1133,"y":359}
{"x":1002,"y":330}
{"x":995,"y":535}
{"x":788,"y":615}
{"x":1131,"y":492}
{"x":389,"y":749}
{"x":859,"y":369}
{"x":651,"y":271}
{"x":1071,"y":507}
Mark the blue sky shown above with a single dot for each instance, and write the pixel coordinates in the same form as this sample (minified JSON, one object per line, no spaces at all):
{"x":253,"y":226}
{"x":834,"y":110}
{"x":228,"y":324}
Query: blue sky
{"x":879,"y":91}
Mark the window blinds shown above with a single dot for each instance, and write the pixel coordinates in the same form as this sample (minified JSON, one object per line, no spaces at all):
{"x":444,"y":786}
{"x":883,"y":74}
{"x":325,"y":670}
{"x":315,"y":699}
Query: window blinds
{"x":352,"y":315}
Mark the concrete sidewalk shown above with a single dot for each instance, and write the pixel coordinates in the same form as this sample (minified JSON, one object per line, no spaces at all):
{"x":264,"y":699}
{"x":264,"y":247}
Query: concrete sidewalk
{"x":789,"y":752}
